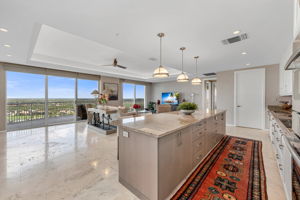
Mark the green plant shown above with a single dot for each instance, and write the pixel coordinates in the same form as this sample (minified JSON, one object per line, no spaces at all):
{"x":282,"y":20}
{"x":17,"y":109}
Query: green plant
{"x":187,"y":106}
{"x":151,"y":105}
{"x":177,"y":95}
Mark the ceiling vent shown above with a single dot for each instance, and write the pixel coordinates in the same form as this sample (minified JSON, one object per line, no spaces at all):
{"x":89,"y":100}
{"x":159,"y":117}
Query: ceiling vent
{"x":235,"y":39}
{"x":210,"y":74}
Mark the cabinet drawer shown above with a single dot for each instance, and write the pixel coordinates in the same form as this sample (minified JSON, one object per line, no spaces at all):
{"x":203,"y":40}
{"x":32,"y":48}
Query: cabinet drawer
{"x":197,"y":134}
{"x":197,"y":158}
{"x":198,"y":126}
{"x":198,"y":145}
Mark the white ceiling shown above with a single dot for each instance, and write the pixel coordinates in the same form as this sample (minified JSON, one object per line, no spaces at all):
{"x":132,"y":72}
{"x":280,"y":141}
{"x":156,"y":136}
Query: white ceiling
{"x":81,"y":35}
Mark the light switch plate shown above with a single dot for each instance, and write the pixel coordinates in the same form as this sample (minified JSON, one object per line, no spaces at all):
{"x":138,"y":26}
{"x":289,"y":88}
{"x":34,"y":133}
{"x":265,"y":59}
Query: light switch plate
{"x":125,"y":134}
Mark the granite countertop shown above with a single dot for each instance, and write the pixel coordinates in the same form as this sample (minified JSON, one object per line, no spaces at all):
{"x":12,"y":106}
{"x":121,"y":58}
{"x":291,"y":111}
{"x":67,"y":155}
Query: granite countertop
{"x":162,"y":124}
{"x":281,"y":114}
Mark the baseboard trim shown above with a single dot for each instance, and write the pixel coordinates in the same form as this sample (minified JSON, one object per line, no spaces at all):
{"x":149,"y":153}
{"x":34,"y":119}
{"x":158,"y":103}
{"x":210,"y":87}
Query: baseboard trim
{"x":230,"y":125}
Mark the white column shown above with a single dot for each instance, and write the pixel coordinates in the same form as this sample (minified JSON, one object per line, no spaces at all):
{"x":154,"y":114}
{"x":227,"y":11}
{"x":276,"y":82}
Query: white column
{"x":2,"y":98}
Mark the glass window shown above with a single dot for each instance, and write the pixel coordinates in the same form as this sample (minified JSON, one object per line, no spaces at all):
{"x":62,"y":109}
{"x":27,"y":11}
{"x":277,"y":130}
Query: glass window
{"x":133,"y":94}
{"x":86,"y":87}
{"x":128,"y":95}
{"x":61,"y":99}
{"x":140,"y":95}
{"x":25,"y":100}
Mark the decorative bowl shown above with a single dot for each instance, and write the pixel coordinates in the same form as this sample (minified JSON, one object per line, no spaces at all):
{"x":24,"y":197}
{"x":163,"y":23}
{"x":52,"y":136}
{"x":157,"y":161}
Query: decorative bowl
{"x":187,"y":112}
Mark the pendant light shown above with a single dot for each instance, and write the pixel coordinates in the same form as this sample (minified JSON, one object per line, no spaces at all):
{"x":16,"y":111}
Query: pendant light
{"x":182,"y":77}
{"x":196,"y":80}
{"x":160,"y":72}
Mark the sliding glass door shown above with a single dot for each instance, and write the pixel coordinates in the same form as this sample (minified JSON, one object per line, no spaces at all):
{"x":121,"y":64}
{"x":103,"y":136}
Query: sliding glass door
{"x":35,"y":100}
{"x":61,"y":99}
{"x":140,"y":95}
{"x":133,"y":94}
{"x":128,"y":95}
{"x":84,"y":98}
{"x":25,"y":100}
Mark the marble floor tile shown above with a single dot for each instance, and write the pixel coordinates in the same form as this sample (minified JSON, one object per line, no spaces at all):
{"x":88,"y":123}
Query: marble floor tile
{"x":71,"y":162}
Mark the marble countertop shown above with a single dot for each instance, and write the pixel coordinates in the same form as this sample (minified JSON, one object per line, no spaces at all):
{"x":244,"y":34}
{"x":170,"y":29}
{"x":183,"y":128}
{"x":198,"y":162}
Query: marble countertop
{"x":159,"y":125}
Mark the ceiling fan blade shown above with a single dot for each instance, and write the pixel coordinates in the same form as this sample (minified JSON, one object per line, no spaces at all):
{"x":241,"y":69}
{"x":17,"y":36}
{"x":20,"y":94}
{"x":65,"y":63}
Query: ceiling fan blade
{"x":120,"y":66}
{"x":107,"y":65}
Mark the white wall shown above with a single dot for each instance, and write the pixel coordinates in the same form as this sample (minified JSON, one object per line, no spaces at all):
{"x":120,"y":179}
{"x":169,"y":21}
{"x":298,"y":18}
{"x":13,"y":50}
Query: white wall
{"x":225,"y":88}
{"x":185,"y":89}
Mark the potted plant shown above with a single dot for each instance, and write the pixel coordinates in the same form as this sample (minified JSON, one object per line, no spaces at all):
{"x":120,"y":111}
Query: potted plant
{"x":187,"y":108}
{"x":177,"y":95}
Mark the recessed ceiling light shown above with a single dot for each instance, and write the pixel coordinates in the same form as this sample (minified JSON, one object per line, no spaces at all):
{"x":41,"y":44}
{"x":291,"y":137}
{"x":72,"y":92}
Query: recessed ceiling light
{"x":248,"y":64}
{"x":8,"y":55}
{"x":244,"y":53}
{"x":236,"y":32}
{"x":7,"y":45}
{"x":3,"y":30}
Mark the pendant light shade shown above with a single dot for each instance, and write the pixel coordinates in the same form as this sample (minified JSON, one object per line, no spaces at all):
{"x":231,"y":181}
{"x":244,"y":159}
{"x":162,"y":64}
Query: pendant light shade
{"x":196,"y":80}
{"x":183,"y":77}
{"x":160,"y":72}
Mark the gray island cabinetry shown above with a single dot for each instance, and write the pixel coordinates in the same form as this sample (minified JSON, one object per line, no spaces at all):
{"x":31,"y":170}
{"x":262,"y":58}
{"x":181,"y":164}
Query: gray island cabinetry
{"x":157,"y":152}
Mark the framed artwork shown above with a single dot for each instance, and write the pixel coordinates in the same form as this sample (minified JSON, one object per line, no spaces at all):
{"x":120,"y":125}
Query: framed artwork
{"x":111,"y":89}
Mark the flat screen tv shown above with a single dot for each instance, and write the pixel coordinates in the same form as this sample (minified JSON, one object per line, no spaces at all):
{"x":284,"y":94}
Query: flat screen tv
{"x":169,"y":98}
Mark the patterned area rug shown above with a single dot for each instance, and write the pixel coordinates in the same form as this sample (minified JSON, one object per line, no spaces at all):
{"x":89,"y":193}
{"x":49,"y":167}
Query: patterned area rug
{"x":233,"y":170}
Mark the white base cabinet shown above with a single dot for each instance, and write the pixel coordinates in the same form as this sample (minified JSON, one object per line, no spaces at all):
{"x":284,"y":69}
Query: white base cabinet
{"x":282,"y":154}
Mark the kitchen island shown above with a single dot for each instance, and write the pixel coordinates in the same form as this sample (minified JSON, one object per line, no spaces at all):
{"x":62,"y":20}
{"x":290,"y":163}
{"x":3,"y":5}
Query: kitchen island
{"x":156,"y":152}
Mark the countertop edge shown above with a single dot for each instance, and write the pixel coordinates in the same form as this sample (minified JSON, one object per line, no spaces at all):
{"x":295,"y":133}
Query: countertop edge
{"x":165,"y":133}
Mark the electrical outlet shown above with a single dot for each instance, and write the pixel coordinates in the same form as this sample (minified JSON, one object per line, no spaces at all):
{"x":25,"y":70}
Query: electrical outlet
{"x":125,"y":134}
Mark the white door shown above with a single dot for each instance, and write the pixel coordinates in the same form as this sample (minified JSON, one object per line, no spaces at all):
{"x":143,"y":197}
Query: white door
{"x":250,"y":98}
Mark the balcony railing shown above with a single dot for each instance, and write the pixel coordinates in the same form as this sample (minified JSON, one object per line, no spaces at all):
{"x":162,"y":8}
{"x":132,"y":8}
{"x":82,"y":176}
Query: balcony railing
{"x":19,"y":112}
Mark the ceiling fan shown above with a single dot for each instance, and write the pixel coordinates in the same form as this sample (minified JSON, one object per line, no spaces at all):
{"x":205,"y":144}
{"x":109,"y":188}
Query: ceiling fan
{"x":115,"y":64}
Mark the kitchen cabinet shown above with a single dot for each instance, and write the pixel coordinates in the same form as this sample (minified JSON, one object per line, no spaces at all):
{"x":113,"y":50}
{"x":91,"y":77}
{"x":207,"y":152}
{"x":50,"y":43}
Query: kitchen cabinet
{"x":165,"y":158}
{"x":296,"y":25}
{"x":282,"y":155}
{"x":286,"y":82}
{"x":286,"y":76}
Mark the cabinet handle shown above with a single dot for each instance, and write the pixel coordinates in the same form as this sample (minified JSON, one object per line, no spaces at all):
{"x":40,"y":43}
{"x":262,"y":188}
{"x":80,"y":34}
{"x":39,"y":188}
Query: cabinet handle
{"x":281,"y":146}
{"x":277,"y":156}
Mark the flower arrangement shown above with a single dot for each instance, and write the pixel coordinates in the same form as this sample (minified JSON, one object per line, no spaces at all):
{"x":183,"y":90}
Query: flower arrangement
{"x":136,"y":106}
{"x":102,"y":99}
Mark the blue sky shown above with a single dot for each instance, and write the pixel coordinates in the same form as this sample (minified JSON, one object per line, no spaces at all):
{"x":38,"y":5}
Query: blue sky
{"x":24,"y":85}
{"x":128,"y":91}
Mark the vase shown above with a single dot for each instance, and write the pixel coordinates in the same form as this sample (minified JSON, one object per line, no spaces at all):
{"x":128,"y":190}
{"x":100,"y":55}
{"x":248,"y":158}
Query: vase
{"x":187,"y":112}
{"x":136,"y":112}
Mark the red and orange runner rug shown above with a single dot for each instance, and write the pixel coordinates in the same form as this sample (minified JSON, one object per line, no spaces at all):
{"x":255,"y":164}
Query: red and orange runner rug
{"x":233,"y":170}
